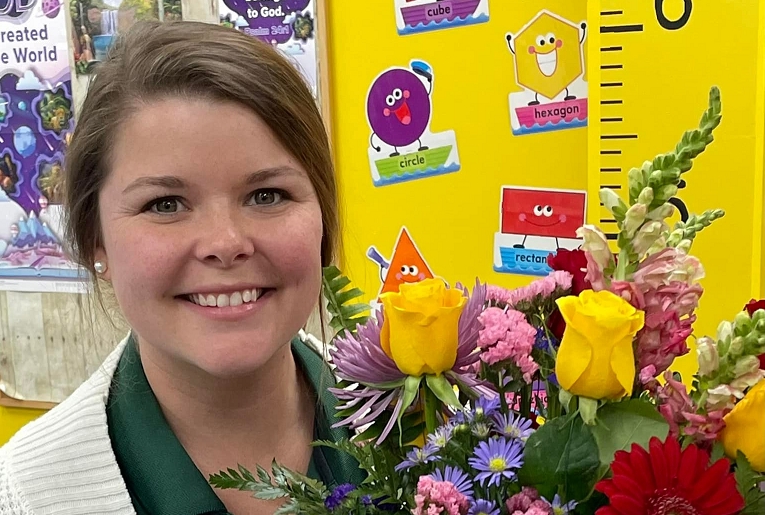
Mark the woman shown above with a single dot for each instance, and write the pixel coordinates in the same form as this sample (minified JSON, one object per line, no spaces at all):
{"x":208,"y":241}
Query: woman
{"x":199,"y":186}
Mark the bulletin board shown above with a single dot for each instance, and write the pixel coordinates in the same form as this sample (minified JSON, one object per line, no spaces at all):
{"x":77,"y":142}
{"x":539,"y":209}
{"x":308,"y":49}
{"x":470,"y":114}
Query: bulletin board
{"x":451,"y":223}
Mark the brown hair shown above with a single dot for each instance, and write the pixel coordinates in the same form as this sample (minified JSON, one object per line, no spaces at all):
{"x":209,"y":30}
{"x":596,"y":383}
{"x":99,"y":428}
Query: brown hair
{"x":190,"y":59}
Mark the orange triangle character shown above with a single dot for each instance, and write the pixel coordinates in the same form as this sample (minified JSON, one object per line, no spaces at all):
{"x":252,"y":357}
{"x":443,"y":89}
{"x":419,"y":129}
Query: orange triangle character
{"x":406,"y":265}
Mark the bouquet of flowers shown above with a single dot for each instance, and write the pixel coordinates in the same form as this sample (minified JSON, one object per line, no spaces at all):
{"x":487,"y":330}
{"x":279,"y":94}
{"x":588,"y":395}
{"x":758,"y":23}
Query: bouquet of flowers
{"x":553,"y":398}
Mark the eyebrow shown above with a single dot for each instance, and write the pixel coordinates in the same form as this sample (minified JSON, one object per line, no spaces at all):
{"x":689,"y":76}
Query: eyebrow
{"x":173,"y":182}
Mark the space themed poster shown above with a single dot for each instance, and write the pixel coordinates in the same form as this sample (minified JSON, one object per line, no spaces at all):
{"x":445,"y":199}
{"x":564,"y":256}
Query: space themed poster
{"x":401,"y":144}
{"x":288,"y":25}
{"x":36,"y":119}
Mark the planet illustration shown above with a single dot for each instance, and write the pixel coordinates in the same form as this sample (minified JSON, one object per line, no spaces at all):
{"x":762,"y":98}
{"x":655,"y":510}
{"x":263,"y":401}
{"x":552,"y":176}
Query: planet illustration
{"x":23,"y":105}
{"x":24,"y":140}
{"x":50,"y":8}
{"x":398,"y":107}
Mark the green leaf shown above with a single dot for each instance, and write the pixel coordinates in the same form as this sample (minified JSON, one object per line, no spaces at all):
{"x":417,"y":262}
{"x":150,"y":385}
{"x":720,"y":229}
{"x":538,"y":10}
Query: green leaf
{"x":443,"y":390}
{"x":748,"y":481}
{"x":411,"y":387}
{"x":561,"y":457}
{"x":621,"y":424}
{"x":588,"y":409}
{"x":345,"y":314}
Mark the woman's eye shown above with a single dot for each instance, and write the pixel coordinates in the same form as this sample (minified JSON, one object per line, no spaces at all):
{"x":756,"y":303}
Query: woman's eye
{"x":166,"y":206}
{"x":267,"y":197}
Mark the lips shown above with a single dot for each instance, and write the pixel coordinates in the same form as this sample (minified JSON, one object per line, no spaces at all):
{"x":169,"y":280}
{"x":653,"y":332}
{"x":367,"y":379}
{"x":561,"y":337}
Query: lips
{"x":403,"y":114}
{"x":547,"y":62}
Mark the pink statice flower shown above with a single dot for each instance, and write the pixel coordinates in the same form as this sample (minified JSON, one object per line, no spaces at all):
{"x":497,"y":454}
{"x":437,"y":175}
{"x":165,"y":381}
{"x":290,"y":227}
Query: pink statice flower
{"x":507,"y":336}
{"x":439,"y":497}
{"x":558,"y":279}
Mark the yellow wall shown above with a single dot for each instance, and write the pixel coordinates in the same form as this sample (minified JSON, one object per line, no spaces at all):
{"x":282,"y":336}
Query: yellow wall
{"x":452,"y":218}
{"x":12,"y":419}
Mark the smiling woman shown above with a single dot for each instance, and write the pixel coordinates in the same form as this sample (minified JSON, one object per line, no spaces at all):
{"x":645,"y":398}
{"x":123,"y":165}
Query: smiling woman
{"x":200,"y":189}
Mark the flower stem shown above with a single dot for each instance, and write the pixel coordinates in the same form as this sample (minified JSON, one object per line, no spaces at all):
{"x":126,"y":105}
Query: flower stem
{"x":431,"y":410}
{"x":526,"y":392}
{"x":554,"y":407}
{"x":502,"y":395}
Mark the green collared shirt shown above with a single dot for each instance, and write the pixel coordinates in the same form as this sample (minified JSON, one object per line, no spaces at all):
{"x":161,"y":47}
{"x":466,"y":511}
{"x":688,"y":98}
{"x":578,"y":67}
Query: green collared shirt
{"x":161,"y":477}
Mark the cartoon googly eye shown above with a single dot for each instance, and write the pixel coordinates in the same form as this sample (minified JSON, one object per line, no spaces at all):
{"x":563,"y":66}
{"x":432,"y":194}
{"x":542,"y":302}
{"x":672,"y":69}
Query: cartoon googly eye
{"x":541,"y":40}
{"x":414,"y":270}
{"x":404,"y":270}
{"x":538,"y":210}
{"x":550,"y":37}
{"x":397,"y":94}
{"x":390,"y":100}
{"x":547,"y":211}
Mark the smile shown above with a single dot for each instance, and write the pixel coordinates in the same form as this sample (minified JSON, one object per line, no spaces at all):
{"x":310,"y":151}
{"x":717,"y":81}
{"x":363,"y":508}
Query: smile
{"x":542,"y":225}
{"x":403,"y":114}
{"x":548,"y":62}
{"x":224,"y":300}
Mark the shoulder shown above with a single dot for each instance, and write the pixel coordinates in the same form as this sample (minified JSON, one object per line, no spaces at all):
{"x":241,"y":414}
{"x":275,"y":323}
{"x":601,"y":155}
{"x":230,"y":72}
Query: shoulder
{"x":11,"y":502}
{"x":57,"y":458}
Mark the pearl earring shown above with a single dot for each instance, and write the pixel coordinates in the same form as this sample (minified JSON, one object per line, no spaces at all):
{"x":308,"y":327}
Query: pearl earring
{"x":100,"y":267}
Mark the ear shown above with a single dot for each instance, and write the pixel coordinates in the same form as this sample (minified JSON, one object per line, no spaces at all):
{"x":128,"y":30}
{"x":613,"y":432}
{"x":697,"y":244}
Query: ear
{"x":100,"y":256}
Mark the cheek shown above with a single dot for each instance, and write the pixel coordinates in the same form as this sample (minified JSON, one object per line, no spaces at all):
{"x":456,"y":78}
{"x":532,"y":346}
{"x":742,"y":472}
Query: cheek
{"x":295,"y":248}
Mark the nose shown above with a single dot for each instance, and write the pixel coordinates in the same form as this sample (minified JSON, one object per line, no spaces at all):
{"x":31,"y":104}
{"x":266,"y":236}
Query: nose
{"x":225,"y":241}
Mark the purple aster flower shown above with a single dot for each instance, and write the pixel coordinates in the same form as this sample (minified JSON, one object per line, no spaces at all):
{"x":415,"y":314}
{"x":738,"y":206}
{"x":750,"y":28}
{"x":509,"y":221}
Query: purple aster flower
{"x":458,"y":478}
{"x":418,"y":456}
{"x":338,"y":495}
{"x":545,"y":343}
{"x":564,"y":509}
{"x":481,"y":430}
{"x":513,"y":426}
{"x":360,"y":359}
{"x":497,"y":458}
{"x":441,"y":436}
{"x":481,"y":507}
{"x":487,"y":406}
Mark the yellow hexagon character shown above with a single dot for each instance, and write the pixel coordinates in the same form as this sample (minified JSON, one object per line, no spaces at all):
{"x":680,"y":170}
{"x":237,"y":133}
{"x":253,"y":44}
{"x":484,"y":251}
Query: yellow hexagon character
{"x":548,"y":54}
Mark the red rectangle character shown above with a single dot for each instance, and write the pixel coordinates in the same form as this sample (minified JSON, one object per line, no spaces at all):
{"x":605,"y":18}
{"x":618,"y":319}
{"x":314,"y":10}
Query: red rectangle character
{"x":536,"y":212}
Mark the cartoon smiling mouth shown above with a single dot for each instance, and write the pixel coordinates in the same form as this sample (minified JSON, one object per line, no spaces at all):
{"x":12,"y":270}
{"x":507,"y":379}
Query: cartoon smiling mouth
{"x":548,"y":62}
{"x":553,"y":222}
{"x":403,"y":114}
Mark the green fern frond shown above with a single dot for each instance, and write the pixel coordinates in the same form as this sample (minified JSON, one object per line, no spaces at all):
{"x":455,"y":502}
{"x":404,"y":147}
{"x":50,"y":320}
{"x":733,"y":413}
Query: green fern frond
{"x":345,"y":313}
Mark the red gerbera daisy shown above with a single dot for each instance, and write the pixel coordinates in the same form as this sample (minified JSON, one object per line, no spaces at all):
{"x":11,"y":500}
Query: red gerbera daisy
{"x":666,"y":481}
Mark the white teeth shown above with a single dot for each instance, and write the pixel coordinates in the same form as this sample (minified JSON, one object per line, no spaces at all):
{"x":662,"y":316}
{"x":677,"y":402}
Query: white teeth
{"x":223,"y":300}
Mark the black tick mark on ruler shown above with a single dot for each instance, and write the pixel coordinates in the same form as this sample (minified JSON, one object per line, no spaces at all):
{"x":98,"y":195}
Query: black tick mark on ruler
{"x":620,"y":29}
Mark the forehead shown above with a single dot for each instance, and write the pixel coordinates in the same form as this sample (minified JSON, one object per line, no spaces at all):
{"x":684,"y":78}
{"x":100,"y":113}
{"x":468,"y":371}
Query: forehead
{"x":198,"y":140}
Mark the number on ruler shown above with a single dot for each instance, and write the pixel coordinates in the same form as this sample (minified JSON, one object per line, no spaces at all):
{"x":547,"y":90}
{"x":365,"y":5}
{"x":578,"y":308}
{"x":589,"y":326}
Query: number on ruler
{"x":673,"y":24}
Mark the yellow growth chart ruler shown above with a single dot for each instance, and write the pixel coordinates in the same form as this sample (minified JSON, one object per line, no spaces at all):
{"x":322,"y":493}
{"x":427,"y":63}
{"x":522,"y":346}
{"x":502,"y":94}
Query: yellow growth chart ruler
{"x":651,"y":65}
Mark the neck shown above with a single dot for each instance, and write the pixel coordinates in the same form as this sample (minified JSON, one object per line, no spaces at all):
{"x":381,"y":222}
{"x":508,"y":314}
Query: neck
{"x":223,"y":421}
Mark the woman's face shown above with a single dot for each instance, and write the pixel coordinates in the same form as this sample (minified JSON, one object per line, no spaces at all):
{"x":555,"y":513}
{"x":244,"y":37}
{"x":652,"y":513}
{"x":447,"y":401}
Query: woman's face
{"x":212,"y":235}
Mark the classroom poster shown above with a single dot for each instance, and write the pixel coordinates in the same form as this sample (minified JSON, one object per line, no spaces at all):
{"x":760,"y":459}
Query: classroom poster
{"x":96,"y":24}
{"x":36,"y":118}
{"x":413,"y":16}
{"x":286,"y":24}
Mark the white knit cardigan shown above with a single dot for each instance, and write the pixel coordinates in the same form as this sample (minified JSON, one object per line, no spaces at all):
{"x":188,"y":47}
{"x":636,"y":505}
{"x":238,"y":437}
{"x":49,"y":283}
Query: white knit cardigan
{"x":63,"y":463}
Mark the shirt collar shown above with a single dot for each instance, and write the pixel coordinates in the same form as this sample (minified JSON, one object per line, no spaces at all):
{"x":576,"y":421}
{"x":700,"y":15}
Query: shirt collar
{"x":160,"y":475}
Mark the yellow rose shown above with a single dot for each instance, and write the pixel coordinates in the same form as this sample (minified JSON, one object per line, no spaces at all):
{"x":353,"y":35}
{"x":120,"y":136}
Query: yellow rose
{"x":420,"y":332}
{"x":745,"y":428}
{"x":595,"y":358}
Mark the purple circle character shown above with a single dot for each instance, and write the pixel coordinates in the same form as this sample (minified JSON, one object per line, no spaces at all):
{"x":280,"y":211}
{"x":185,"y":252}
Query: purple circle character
{"x":398,"y":109}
